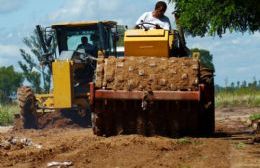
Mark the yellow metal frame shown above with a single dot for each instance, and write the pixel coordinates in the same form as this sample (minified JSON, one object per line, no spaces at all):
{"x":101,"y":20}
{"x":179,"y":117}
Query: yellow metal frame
{"x":62,"y":83}
{"x":154,"y":42}
{"x":62,"y":95}
{"x":45,"y":100}
{"x":196,"y":55}
{"x":82,"y":23}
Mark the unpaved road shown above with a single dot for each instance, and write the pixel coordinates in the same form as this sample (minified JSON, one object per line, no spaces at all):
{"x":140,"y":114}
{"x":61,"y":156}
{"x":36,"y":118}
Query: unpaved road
{"x":230,"y":147}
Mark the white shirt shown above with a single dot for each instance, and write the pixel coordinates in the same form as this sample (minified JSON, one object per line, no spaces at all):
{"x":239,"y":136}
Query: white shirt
{"x":163,"y":22}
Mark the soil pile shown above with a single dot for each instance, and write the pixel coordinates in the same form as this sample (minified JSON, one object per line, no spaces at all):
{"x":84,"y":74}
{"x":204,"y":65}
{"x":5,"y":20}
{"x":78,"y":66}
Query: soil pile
{"x":84,"y":149}
{"x":58,"y":119}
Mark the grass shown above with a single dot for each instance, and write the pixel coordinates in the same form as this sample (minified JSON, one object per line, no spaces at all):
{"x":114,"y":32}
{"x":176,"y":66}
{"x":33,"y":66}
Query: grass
{"x":254,"y":117}
{"x":7,"y":114}
{"x":184,"y":141}
{"x":242,"y":97}
{"x":240,"y":145}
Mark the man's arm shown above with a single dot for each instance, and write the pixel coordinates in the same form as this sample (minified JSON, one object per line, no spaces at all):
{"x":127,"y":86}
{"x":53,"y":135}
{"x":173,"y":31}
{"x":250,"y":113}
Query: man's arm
{"x":141,"y":18}
{"x":167,"y":24}
{"x":79,"y":47}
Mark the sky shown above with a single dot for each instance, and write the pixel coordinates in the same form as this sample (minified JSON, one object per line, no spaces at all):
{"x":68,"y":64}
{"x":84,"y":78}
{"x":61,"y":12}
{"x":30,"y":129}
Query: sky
{"x":236,"y":56}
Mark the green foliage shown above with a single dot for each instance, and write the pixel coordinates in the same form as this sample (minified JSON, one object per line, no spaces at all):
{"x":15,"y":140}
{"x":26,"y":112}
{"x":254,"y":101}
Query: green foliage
{"x":184,"y":141}
{"x":121,"y":31}
{"x":254,"y":117}
{"x":9,"y":82}
{"x":34,"y":72}
{"x":237,"y":98}
{"x":245,"y":94}
{"x":240,"y":145}
{"x":199,"y":17}
{"x":7,"y":114}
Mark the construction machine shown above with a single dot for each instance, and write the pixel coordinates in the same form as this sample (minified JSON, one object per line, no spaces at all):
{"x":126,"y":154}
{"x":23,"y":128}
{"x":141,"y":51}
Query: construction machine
{"x":158,"y":87}
{"x":71,"y":71}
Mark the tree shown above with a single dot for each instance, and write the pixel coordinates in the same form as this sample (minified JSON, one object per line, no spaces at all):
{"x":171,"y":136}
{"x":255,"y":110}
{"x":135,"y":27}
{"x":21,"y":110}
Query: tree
{"x":34,"y":72}
{"x":121,"y":31}
{"x":9,"y":82}
{"x":199,"y":17}
{"x":254,"y":82}
{"x":238,"y":84}
{"x":232,"y":85}
{"x":244,"y":84}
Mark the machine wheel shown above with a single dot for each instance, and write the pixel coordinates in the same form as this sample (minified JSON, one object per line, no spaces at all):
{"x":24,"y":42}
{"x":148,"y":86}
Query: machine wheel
{"x":207,"y":118}
{"x":97,"y":119}
{"x":27,"y":104}
{"x":95,"y":126}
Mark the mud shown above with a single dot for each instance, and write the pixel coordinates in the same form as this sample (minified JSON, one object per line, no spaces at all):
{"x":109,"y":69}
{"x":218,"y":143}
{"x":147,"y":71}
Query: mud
{"x":231,"y":146}
{"x":86,"y":150}
{"x":58,"y":119}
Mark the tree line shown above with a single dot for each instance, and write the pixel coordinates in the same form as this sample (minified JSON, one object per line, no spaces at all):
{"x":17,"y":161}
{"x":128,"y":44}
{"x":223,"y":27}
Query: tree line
{"x":34,"y":73}
{"x":239,"y":86}
{"x":10,"y":80}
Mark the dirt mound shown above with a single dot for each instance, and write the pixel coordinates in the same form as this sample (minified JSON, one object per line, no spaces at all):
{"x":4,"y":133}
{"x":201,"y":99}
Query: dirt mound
{"x":58,"y":119}
{"x":84,"y":149}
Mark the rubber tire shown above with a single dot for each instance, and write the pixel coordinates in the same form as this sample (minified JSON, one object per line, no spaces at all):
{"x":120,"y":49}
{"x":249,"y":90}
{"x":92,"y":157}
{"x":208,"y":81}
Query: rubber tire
{"x":207,"y":117}
{"x":97,"y":125}
{"x":27,"y":104}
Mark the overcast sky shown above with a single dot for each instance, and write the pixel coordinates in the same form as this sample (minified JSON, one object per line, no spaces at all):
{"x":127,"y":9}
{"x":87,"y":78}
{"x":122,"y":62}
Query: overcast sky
{"x":236,"y":56}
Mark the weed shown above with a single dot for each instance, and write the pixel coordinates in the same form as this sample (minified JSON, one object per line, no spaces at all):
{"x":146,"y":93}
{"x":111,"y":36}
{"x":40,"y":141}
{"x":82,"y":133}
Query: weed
{"x":197,"y":142}
{"x":242,"y":97}
{"x":254,"y":117}
{"x":184,"y":140}
{"x":7,"y":113}
{"x":240,"y":145}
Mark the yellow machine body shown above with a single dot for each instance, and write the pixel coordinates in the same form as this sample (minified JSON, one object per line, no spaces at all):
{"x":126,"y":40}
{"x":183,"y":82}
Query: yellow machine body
{"x":45,"y":100}
{"x":139,"y":42}
{"x":80,"y":24}
{"x":62,"y":84}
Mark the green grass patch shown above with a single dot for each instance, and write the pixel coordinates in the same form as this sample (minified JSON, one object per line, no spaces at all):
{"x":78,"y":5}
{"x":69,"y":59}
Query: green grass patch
{"x":240,"y":145}
{"x":245,"y":97}
{"x":254,"y":117}
{"x":184,"y":140}
{"x":7,"y":114}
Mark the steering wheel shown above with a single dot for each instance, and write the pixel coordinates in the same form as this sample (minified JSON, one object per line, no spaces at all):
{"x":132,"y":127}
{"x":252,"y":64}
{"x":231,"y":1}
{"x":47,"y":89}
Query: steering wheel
{"x":84,"y":57}
{"x":143,"y":23}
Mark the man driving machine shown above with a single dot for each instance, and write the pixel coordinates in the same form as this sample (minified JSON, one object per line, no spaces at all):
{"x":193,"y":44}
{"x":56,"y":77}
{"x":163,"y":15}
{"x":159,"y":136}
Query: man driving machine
{"x":155,"y":19}
{"x":89,"y":48}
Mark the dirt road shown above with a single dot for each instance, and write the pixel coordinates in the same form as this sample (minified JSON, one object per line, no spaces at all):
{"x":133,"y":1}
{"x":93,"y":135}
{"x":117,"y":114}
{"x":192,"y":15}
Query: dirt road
{"x":230,"y":147}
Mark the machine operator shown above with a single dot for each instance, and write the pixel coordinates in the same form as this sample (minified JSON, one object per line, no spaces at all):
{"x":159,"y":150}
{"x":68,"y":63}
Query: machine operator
{"x":89,"y":48}
{"x":157,"y":18}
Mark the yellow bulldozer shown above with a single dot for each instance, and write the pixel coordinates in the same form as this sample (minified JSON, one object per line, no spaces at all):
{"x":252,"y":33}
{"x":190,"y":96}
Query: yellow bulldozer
{"x":157,"y":87}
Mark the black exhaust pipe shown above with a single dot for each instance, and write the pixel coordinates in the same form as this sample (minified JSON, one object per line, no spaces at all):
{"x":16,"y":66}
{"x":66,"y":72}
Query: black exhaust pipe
{"x":40,"y":35}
